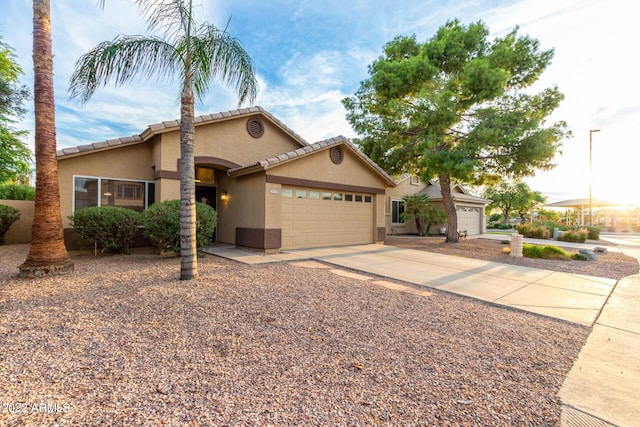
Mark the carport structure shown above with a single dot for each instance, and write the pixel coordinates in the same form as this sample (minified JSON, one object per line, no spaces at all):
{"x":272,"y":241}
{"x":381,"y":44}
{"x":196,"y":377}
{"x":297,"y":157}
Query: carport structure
{"x":605,"y":214}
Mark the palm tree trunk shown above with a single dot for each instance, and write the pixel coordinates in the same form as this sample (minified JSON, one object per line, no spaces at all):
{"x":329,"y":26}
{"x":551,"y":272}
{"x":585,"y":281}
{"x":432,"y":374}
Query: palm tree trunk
{"x":47,"y":254}
{"x":449,"y":209}
{"x":188,"y":250}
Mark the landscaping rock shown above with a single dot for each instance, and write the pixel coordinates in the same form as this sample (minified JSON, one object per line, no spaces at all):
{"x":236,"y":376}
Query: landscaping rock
{"x":600,"y":249}
{"x":589,"y":254}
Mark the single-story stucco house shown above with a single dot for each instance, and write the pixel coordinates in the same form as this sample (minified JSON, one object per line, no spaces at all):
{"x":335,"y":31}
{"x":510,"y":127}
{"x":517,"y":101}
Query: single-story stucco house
{"x":271,"y":189}
{"x":469,"y":208}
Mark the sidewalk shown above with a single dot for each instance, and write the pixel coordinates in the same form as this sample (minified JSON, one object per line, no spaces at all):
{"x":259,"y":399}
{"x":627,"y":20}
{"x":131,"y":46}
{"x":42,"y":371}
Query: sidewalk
{"x":603,"y":387}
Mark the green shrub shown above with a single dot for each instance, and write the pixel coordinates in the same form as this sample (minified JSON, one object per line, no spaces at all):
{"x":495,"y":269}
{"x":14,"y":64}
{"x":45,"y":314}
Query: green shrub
{"x":579,"y":257}
{"x":503,"y":226}
{"x":593,"y":233}
{"x":108,"y":228}
{"x":8,"y":215}
{"x":534,"y":231}
{"x":579,"y":235}
{"x":532,"y":251}
{"x":545,"y":252}
{"x":17,"y":192}
{"x":162,"y":224}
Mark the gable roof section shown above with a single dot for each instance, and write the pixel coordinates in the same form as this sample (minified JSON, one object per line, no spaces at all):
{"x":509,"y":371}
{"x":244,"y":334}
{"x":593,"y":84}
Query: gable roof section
{"x":263,"y":165}
{"x":458,"y":194}
{"x":173,"y":125}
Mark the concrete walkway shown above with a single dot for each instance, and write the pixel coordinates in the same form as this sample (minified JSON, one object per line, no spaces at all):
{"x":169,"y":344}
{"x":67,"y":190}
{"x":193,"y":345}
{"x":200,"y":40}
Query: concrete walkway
{"x":602,"y":388}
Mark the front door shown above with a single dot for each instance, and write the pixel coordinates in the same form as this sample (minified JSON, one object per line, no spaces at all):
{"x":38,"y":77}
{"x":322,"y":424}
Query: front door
{"x":207,"y":195}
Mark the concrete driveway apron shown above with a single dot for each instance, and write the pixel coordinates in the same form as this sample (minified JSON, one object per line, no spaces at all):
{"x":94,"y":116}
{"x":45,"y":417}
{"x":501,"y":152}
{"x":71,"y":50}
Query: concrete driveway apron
{"x":565,"y":296}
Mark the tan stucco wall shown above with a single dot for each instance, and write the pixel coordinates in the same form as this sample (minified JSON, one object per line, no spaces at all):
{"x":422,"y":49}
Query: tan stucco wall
{"x":273,"y":205}
{"x":227,"y":140}
{"x":379,"y":220}
{"x":402,"y":189}
{"x":167,"y":189}
{"x":155,"y":144}
{"x":319,"y":167}
{"x":132,"y":162}
{"x":244,"y":207}
{"x":20,"y":231}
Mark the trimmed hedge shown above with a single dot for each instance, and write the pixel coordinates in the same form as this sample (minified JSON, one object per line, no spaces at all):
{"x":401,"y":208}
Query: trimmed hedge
{"x":8,"y":215}
{"x":162,"y":224}
{"x":17,"y":192}
{"x":108,"y":228}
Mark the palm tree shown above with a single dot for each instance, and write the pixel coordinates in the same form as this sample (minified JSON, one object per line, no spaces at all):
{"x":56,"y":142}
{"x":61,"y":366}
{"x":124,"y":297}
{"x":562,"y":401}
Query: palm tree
{"x":419,"y":207}
{"x":199,"y":54}
{"x":47,"y":254}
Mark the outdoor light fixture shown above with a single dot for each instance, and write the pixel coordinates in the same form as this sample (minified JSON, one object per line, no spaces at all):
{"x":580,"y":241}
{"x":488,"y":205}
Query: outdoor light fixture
{"x":591,"y":132}
{"x":224,"y":196}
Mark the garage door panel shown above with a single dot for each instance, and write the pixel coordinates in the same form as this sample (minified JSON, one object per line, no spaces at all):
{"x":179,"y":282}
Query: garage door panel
{"x":321,"y":222}
{"x":469,"y":219}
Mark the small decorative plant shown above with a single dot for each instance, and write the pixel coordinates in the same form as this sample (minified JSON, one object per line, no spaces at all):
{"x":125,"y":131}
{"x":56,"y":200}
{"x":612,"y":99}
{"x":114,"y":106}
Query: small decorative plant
{"x":8,"y":215}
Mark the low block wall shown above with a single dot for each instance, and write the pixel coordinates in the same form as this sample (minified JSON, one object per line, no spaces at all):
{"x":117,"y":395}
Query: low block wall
{"x":20,"y":231}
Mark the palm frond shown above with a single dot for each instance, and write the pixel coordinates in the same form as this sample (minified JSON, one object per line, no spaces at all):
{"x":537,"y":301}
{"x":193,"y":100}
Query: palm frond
{"x":218,"y":56}
{"x":170,"y":17}
{"x":121,"y":60}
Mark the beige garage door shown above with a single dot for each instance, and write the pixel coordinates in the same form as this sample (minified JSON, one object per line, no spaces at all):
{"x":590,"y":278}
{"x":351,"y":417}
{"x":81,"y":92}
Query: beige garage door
{"x":315,"y":217}
{"x":469,"y":219}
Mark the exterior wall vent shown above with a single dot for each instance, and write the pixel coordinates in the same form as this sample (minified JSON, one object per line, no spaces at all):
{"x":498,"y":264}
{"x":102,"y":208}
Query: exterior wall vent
{"x":337,"y":155}
{"x":255,"y":127}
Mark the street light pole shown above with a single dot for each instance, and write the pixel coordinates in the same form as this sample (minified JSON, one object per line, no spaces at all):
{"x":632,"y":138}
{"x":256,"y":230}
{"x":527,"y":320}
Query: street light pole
{"x":591,"y":132}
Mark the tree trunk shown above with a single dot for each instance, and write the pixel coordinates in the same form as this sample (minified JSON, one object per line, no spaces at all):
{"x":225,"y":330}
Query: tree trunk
{"x":505,"y":214}
{"x":188,"y":248}
{"x":47,"y":254}
{"x":449,"y":209}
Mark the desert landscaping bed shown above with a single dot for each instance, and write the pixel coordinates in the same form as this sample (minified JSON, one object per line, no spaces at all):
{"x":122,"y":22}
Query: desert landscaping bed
{"x":612,"y":265}
{"x":121,"y":341}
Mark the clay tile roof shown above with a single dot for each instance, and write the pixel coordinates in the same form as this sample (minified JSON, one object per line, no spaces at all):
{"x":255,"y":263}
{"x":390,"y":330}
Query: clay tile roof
{"x":305,"y":151}
{"x":156,"y":128}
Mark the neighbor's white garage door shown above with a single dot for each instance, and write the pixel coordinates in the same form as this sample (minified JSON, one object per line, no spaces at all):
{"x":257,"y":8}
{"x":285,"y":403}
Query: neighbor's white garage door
{"x":314,"y":217}
{"x":469,"y":219}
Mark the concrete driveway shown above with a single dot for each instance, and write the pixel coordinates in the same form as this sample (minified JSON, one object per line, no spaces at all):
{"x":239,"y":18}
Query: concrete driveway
{"x":564,"y":296}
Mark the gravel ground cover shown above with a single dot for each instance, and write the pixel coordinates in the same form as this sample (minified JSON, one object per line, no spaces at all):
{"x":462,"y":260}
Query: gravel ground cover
{"x":121,"y":341}
{"x":612,"y":265}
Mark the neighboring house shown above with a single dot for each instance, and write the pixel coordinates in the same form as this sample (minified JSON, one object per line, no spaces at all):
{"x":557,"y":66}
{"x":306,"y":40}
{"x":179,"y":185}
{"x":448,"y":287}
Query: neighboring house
{"x":271,"y":189}
{"x":470,"y":209}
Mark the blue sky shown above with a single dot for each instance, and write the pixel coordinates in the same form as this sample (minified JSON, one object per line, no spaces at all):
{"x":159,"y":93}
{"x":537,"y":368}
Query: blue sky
{"x":311,"y":54}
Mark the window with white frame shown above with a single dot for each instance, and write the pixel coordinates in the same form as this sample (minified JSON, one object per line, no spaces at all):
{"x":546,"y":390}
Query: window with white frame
{"x":125,"y":193}
{"x":397,"y":209}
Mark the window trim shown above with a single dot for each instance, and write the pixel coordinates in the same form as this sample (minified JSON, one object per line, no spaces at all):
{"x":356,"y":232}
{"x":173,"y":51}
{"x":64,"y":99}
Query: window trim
{"x":100,"y":178}
{"x":399,"y":201}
